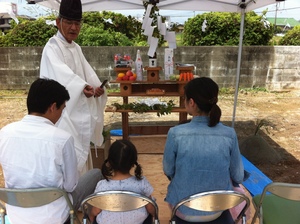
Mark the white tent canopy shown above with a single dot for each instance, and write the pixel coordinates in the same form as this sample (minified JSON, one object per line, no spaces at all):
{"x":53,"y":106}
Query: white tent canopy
{"x":239,"y":6}
{"x":188,"y":5}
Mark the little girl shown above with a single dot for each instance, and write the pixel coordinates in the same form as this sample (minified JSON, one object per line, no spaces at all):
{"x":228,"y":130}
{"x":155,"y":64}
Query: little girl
{"x":116,"y":168}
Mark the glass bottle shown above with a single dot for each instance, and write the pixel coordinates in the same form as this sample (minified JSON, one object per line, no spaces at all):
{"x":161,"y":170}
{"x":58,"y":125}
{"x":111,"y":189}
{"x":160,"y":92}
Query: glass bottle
{"x":139,"y":66}
{"x":152,"y":61}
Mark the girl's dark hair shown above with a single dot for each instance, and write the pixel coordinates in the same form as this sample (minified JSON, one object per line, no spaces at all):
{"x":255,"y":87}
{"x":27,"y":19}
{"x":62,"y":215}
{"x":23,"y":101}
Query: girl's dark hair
{"x":204,"y":91}
{"x":122,"y":157}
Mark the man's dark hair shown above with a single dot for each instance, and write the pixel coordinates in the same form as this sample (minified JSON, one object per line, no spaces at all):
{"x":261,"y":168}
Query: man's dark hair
{"x":43,"y":93}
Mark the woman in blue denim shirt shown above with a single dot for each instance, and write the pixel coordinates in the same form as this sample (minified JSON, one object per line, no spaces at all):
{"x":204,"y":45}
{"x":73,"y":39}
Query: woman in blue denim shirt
{"x":203,"y":154}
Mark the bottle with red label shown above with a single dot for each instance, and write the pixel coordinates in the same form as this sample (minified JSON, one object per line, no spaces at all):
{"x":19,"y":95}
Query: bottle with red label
{"x":116,"y":59}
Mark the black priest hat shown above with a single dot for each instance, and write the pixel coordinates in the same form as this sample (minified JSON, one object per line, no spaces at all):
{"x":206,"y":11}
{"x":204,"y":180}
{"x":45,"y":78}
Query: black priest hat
{"x":70,"y":9}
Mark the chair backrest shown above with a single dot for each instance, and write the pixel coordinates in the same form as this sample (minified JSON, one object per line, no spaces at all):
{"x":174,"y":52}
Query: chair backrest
{"x":283,"y":198}
{"x":284,"y":190}
{"x":118,"y":201}
{"x":214,"y":201}
{"x":27,"y":198}
{"x":36,"y":197}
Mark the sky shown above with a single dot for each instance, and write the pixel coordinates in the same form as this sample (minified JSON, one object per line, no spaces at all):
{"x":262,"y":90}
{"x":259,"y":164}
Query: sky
{"x":287,"y":9}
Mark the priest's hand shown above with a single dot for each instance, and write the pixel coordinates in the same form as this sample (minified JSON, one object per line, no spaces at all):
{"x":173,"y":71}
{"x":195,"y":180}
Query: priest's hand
{"x":88,"y":91}
{"x":99,"y":91}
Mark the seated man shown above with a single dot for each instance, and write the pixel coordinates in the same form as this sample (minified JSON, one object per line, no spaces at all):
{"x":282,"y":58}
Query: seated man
{"x":34,"y":153}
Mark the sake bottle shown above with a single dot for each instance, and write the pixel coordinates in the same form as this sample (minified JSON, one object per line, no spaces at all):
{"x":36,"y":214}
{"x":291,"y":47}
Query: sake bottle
{"x":139,"y":66}
{"x":152,"y":61}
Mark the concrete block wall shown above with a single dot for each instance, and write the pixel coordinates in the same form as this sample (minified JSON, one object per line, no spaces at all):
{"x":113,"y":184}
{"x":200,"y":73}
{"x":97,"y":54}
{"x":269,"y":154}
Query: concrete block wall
{"x":19,"y":66}
{"x":275,"y":68}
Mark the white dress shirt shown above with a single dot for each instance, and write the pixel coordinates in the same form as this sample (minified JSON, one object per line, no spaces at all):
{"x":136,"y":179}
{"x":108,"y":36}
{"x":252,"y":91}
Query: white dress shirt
{"x":34,"y":154}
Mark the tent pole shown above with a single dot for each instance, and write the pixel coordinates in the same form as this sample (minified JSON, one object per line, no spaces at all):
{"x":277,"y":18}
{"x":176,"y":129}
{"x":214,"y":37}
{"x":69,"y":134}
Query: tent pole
{"x":238,"y":72}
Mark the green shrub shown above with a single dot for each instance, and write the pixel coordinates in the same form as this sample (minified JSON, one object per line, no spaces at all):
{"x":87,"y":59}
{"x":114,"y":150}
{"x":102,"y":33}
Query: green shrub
{"x":28,"y":33}
{"x":96,"y":31}
{"x":292,"y":37}
{"x":96,"y":36}
{"x":224,"y":29}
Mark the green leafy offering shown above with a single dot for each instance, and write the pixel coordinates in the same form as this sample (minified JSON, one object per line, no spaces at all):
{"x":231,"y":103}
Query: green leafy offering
{"x":174,"y":77}
{"x":162,"y":109}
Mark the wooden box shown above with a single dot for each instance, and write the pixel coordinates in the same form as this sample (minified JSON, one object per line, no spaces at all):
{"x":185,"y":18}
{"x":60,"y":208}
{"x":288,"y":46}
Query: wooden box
{"x":125,"y":88}
{"x":185,"y":69}
{"x":101,"y":154}
{"x":153,"y":73}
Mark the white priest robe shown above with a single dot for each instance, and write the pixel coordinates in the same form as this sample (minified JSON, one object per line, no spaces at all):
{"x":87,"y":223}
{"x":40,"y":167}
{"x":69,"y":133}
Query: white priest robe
{"x":83,"y":117}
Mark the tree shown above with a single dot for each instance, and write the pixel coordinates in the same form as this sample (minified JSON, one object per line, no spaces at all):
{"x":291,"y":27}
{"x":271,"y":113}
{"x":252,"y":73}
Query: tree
{"x":292,"y":37}
{"x":96,"y":31}
{"x":117,"y":22}
{"x":154,"y":13}
{"x":217,"y":28}
{"x":28,"y":33}
{"x":97,"y":36}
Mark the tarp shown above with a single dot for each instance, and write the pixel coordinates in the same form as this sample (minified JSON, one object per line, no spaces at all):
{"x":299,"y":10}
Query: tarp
{"x":239,"y":6}
{"x":189,"y":5}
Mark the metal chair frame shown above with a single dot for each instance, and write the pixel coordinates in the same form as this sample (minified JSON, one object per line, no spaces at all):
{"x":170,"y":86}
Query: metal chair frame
{"x":283,"y":190}
{"x":117,"y":201}
{"x":214,"y":201}
{"x":27,"y":198}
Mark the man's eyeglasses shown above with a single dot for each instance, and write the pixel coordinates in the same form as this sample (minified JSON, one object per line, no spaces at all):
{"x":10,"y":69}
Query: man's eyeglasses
{"x":71,"y":22}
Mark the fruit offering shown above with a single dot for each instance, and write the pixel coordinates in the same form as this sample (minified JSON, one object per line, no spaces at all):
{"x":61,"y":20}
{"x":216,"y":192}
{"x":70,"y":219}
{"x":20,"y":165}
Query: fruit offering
{"x":186,"y":76}
{"x":128,"y":76}
{"x":155,"y":91}
{"x":174,"y":77}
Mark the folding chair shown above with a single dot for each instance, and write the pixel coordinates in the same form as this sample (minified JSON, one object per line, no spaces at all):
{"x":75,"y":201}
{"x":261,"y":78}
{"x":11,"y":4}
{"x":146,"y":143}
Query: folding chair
{"x":214,"y":201}
{"x":279,"y":203}
{"x":27,"y":198}
{"x":118,"y":201}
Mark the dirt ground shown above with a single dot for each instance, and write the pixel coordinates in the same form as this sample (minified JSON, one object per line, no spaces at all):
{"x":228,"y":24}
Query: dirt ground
{"x":276,"y":115}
